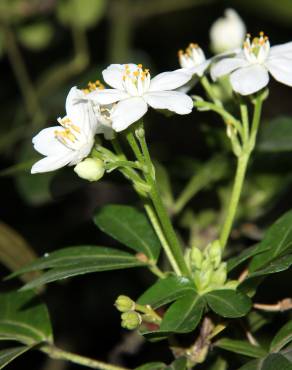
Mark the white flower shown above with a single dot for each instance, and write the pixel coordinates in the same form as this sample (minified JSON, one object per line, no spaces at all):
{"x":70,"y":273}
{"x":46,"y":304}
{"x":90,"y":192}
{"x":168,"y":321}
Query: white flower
{"x":193,"y":60}
{"x":70,"y":142}
{"x":249,"y":68}
{"x":133,"y":91}
{"x":227,"y":33}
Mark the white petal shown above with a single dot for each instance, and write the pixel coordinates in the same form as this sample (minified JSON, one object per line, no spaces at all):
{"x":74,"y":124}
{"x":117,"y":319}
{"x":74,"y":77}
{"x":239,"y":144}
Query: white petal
{"x":283,"y":50}
{"x":200,"y":69}
{"x":75,"y":105}
{"x":250,"y":79}
{"x":281,"y":70}
{"x":169,"y":80}
{"x":227,"y":65}
{"x":127,"y":112}
{"x":46,"y":143}
{"x":174,"y":101}
{"x":189,"y":85}
{"x":113,"y":74}
{"x":107,"y":96}
{"x":52,"y":163}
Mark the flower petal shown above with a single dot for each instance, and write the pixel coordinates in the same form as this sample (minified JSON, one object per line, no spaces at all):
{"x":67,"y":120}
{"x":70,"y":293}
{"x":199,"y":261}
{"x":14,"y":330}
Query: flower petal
{"x":113,"y":75}
{"x":227,"y":65}
{"x":107,"y":96}
{"x":174,"y":101}
{"x":127,"y":112}
{"x":281,"y":70}
{"x":250,"y":79}
{"x":52,"y":163}
{"x":75,"y":105}
{"x":283,"y":50}
{"x":170,"y":80}
{"x":46,"y":143}
{"x":200,"y":69}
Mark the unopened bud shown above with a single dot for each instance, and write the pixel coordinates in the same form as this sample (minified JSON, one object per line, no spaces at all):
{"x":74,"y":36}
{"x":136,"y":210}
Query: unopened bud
{"x":219,"y":276}
{"x":196,"y":257}
{"x":228,"y":32}
{"x":124,"y":303}
{"x":140,"y":133}
{"x":131,"y":320}
{"x":214,"y":251}
{"x":91,"y":169}
{"x":231,"y":284}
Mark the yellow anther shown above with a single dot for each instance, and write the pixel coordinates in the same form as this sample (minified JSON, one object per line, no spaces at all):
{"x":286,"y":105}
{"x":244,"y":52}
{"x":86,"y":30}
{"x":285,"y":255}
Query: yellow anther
{"x":140,"y":66}
{"x":262,"y":34}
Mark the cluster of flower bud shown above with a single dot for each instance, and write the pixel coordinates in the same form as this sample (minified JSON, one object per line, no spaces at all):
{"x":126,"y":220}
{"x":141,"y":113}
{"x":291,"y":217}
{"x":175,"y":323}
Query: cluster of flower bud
{"x":130,"y":318}
{"x":209,"y":271}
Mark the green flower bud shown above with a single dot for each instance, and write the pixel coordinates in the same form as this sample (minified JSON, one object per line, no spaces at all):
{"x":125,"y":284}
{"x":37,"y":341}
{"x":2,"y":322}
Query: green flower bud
{"x":219,"y":276}
{"x":91,"y":169}
{"x":214,"y":251}
{"x":196,"y":257}
{"x":202,"y":279}
{"x":124,"y":303}
{"x":131,"y":320}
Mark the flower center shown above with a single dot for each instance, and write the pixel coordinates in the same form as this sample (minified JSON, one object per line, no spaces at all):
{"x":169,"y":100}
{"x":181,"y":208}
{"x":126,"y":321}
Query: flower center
{"x":257,"y":50}
{"x":192,"y":56}
{"x":71,"y":135}
{"x":136,"y":80}
{"x":91,"y":86}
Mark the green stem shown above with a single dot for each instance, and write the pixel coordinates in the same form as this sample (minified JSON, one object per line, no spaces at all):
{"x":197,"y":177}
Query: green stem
{"x":242,"y":161}
{"x":162,"y":214}
{"x":59,"y":354}
{"x":165,"y":245}
{"x":208,"y":88}
{"x":245,"y":121}
{"x":236,"y":191}
{"x":25,"y":84}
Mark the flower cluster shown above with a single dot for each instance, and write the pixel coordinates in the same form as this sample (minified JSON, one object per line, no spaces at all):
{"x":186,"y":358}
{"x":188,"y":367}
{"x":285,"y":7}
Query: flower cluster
{"x":132,"y":90}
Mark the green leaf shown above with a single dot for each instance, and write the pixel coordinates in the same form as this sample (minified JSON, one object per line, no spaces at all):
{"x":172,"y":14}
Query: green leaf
{"x":276,"y":361}
{"x":130,"y":227}
{"x":9,"y":354}
{"x":75,"y":261}
{"x":166,"y":290}
{"x":152,"y":366}
{"x":228,"y":303}
{"x":178,"y":364}
{"x":24,"y":318}
{"x":80,"y":13}
{"x":245,"y":255}
{"x":283,"y":337}
{"x":183,"y":315}
{"x":276,"y":135}
{"x":278,"y":265}
{"x":36,"y":35}
{"x":240,"y":346}
{"x":278,"y":239}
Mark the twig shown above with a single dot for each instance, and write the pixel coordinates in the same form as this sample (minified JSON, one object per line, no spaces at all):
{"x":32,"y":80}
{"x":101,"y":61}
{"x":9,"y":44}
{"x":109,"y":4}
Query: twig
{"x":281,"y":306}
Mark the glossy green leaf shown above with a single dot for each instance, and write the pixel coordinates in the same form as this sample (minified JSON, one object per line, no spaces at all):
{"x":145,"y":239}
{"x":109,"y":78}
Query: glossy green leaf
{"x":276,"y":361}
{"x":178,"y":364}
{"x":234,"y":262}
{"x":183,"y":315}
{"x":166,"y":290}
{"x":10,"y":354}
{"x":80,"y":13}
{"x":228,"y":303}
{"x":278,"y":265}
{"x":75,"y":261}
{"x":24,"y":318}
{"x":152,"y":366}
{"x":240,"y":346}
{"x":278,"y":239}
{"x":276,"y":135}
{"x":283,"y":337}
{"x":130,"y":227}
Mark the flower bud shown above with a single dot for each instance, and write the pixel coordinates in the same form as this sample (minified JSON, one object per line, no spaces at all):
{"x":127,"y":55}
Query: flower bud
{"x":214,"y":251}
{"x":196,"y":258}
{"x":227,"y":33}
{"x":231,"y":284}
{"x":131,"y":320}
{"x":124,"y":303}
{"x":91,"y":169}
{"x":219,"y":276}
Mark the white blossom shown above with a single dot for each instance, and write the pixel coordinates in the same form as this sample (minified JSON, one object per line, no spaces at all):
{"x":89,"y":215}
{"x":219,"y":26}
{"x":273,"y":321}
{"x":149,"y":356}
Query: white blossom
{"x":133,"y":91}
{"x":249,"y":69}
{"x":193,"y":60}
{"x":228,"y":32}
{"x":72,"y":140}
